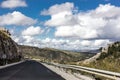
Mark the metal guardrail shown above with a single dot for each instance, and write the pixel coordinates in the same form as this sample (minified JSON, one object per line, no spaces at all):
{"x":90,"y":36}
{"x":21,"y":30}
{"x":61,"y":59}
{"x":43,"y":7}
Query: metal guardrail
{"x":12,"y":64}
{"x":103,"y":73}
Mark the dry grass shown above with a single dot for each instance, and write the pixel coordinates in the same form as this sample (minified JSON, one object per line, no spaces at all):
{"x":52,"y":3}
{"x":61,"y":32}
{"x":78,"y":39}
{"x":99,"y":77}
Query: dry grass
{"x":4,"y":34}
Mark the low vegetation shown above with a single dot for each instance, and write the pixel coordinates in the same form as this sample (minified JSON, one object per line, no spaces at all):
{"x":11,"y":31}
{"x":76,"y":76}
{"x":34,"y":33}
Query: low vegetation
{"x":53,"y":55}
{"x":5,"y":35}
{"x":109,"y":60}
{"x":9,"y":51}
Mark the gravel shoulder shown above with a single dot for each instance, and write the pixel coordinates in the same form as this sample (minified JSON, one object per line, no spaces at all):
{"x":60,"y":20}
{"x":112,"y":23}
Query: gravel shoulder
{"x":67,"y":75}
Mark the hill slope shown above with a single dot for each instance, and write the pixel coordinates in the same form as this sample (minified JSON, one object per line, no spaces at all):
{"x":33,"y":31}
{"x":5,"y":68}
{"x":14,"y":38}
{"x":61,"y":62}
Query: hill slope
{"x":54,"y":55}
{"x":9,"y":51}
{"x":108,"y":59}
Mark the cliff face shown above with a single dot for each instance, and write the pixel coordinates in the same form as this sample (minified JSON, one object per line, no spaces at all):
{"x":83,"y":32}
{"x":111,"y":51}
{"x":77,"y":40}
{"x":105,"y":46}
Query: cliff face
{"x":9,"y":51}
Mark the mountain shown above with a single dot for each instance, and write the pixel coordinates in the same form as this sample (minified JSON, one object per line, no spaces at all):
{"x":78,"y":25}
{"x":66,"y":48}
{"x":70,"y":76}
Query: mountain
{"x":53,"y":55}
{"x":94,"y":51}
{"x":9,"y":51}
{"x":12,"y":52}
{"x":107,"y":59}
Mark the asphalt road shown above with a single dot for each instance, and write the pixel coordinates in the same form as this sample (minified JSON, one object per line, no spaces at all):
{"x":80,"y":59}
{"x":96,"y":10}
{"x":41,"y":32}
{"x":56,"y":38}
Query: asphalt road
{"x":29,"y":70}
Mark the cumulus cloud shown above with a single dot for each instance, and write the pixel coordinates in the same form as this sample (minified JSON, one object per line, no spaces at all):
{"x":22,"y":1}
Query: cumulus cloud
{"x":32,"y":31}
{"x":76,"y":30}
{"x":99,"y":23}
{"x":13,"y":3}
{"x":65,"y":44}
{"x":61,"y":14}
{"x":66,"y":7}
{"x":73,"y":44}
{"x":29,"y":36}
{"x":23,"y":40}
{"x":16,"y":18}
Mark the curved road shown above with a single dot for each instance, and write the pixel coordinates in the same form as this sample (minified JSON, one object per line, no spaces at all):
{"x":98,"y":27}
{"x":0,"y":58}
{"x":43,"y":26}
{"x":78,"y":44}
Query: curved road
{"x":28,"y":70}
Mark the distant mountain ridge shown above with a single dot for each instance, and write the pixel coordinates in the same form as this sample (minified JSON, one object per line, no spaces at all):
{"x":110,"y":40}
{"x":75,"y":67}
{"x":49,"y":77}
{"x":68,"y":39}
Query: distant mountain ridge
{"x":94,"y":51}
{"x":53,"y":55}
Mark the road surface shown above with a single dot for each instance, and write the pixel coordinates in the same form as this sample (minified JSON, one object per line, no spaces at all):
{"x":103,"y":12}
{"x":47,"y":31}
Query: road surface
{"x":28,"y":70}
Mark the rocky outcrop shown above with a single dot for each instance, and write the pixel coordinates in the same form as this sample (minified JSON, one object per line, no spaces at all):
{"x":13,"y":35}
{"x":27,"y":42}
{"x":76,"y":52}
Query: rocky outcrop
{"x":92,"y":59}
{"x":104,"y":50}
{"x":107,"y":59}
{"x":9,"y":51}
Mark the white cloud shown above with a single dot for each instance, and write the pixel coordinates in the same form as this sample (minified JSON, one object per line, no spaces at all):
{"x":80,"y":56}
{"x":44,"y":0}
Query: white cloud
{"x":63,"y":18}
{"x":16,"y":18}
{"x":86,"y":43}
{"x":99,"y":23}
{"x":61,"y":14}
{"x":75,"y":32}
{"x":65,"y":44}
{"x":56,"y":9}
{"x":32,"y":31}
{"x":100,"y":43}
{"x":28,"y":39}
{"x":106,"y":11}
{"x":13,"y":3}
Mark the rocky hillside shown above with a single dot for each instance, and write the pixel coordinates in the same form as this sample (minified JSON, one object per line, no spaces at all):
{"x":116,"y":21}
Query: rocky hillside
{"x":9,"y":51}
{"x":108,"y":59}
{"x":54,"y":55}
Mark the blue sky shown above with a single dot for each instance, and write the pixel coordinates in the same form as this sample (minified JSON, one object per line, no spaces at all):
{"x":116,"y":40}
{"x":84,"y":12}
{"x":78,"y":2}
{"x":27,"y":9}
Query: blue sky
{"x":34,"y":7}
{"x":62,"y":24}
